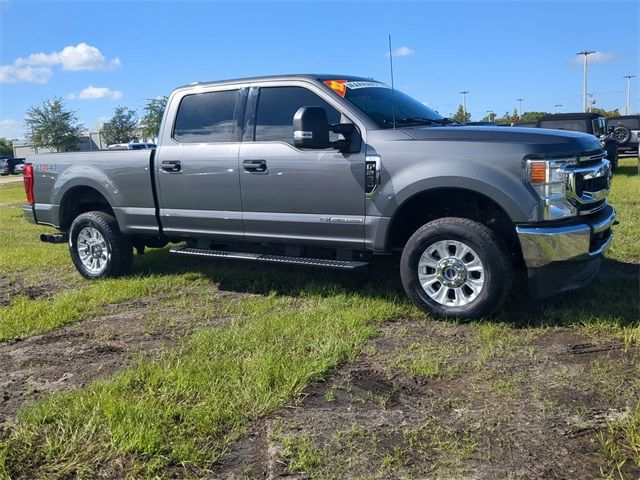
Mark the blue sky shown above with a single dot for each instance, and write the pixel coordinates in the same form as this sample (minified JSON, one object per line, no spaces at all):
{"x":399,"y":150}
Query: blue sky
{"x":98,"y":55}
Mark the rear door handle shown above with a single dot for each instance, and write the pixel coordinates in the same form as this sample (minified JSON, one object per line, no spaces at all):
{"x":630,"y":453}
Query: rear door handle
{"x":259,"y":166}
{"x":171,"y":166}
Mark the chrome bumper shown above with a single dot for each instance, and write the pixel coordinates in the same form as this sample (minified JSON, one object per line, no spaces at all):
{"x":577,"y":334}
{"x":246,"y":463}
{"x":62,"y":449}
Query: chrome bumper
{"x":544,"y":245}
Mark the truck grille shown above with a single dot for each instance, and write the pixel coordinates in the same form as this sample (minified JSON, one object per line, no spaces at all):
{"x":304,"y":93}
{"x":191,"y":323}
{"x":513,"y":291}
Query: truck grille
{"x":591,"y":185}
{"x":588,"y":182}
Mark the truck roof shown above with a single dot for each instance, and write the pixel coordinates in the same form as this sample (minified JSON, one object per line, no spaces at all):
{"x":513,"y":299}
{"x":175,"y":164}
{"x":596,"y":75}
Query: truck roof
{"x":292,"y":76}
{"x":571,"y":116}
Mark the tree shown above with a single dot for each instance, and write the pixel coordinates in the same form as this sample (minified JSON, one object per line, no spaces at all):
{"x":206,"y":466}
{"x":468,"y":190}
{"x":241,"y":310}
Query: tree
{"x":606,"y":113}
{"x":122,"y":127}
{"x":153,"y":111}
{"x":532,"y":116}
{"x":461,"y":116}
{"x":6,"y":147}
{"x":52,"y":126}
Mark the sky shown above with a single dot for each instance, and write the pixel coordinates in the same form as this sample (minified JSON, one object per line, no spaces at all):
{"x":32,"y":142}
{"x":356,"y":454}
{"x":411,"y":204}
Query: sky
{"x":98,"y":55}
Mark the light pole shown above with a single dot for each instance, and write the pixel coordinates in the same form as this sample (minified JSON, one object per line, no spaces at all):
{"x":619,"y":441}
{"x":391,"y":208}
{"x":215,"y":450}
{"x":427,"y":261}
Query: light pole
{"x":558,"y":106}
{"x":627,"y":110}
{"x":586,"y":53}
{"x":489,"y":115}
{"x":519,"y":100}
{"x":464,"y":103}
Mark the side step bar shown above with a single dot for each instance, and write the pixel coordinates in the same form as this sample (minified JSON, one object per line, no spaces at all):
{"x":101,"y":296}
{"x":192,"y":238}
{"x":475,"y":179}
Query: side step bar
{"x":261,"y":257}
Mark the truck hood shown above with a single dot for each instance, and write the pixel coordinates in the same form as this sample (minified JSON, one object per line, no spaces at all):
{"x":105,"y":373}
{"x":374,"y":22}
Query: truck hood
{"x":552,"y":142}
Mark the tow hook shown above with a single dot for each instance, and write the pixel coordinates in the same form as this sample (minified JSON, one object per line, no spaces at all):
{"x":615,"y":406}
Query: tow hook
{"x":54,"y":237}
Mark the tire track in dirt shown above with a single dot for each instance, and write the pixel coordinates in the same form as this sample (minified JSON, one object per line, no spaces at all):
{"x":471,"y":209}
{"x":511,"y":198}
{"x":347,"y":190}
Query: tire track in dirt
{"x":371,"y":412}
{"x":73,"y":356}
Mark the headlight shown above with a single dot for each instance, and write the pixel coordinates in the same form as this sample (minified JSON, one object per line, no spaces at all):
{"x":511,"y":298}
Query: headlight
{"x":549,"y":179}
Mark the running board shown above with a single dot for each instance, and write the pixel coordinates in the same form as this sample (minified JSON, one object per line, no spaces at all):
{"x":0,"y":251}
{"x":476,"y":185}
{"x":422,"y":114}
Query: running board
{"x":261,"y":257}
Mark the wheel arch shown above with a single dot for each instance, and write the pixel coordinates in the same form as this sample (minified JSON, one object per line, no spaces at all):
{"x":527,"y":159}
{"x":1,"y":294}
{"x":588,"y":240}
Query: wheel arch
{"x":428,"y":205}
{"x":80,"y":199}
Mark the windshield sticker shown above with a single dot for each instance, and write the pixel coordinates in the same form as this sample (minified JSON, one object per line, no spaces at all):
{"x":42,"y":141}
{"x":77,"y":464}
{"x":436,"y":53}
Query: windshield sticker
{"x":338,"y":86}
{"x":360,"y":84}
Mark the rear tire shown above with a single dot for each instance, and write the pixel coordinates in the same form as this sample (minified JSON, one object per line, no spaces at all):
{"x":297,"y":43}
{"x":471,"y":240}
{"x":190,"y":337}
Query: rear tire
{"x":98,"y":248}
{"x":455,"y":267}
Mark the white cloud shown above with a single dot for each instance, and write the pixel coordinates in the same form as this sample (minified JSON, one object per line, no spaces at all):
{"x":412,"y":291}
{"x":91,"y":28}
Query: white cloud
{"x":28,"y":74}
{"x":38,"y":67}
{"x":94,"y":93}
{"x":11,"y":129}
{"x":402,"y":52}
{"x":595,"y":57}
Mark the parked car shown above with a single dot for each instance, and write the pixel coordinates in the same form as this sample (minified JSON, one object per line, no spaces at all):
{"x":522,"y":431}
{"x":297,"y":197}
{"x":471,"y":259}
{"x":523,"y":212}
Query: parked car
{"x":8,"y":165}
{"x":19,"y":168}
{"x":626,"y":130}
{"x":131,"y":146}
{"x":331,"y":171}
{"x":591,"y":123}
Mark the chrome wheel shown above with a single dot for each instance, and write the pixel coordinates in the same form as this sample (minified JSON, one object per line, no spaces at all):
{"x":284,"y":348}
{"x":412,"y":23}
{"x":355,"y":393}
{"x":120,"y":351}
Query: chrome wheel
{"x":92,"y":250}
{"x":451,"y":273}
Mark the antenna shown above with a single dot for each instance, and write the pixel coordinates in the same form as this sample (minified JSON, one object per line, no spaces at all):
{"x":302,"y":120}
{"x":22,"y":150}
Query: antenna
{"x":393,"y":90}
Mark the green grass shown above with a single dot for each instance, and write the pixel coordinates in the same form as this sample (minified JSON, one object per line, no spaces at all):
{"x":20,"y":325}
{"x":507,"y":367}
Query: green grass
{"x":180,"y":410}
{"x":173,"y":416}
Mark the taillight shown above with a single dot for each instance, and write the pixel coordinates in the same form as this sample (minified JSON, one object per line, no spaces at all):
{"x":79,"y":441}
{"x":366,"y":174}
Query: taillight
{"x":27,"y":174}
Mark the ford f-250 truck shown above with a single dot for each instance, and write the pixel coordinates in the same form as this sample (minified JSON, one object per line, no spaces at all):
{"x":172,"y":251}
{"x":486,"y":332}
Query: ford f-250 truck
{"x":330,"y":170}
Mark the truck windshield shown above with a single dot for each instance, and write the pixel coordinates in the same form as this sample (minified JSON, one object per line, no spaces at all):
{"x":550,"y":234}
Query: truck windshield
{"x":376,"y":100}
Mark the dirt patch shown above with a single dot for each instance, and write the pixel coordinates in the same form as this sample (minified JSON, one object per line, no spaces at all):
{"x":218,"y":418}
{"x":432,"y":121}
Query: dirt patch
{"x":496,"y":406}
{"x":75,"y":355}
{"x":15,"y":287}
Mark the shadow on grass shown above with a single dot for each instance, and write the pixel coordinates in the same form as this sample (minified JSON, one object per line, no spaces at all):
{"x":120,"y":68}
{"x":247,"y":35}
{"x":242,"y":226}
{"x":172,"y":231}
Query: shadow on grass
{"x":627,"y":170}
{"x":613,"y":298}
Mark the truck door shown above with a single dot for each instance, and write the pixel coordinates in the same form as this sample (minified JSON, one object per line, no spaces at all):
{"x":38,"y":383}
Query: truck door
{"x":197,"y":165}
{"x":293,"y":195}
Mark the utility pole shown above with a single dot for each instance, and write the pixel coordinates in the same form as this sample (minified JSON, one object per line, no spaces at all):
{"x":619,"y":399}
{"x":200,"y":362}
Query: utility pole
{"x":558,"y":107}
{"x":464,"y":103}
{"x":519,"y":100}
{"x":627,"y":110}
{"x":586,"y":53}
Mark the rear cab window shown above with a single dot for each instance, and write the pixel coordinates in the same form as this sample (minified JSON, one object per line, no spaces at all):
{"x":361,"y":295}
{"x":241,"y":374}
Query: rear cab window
{"x":207,"y":117}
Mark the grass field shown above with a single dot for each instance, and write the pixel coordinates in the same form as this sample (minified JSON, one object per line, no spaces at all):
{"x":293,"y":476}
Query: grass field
{"x":233,"y":370}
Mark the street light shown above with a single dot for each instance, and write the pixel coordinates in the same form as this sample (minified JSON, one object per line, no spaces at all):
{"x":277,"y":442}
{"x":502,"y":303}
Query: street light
{"x":558,"y":106}
{"x":519,"y":100}
{"x":627,"y":110}
{"x":586,"y":53}
{"x":464,"y":102}
{"x":489,"y":113}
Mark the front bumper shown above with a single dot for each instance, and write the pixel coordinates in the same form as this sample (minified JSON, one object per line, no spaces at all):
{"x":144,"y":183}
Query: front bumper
{"x":561,"y":258}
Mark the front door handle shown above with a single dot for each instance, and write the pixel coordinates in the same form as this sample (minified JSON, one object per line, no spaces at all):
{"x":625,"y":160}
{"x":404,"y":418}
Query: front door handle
{"x":171,"y":166}
{"x":259,"y":166}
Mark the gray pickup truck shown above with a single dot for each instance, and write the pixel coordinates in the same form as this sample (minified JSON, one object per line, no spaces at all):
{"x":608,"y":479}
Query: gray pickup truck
{"x":330,"y":170}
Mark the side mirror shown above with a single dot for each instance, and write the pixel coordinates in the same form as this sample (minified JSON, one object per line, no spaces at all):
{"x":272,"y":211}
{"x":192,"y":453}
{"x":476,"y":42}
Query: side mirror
{"x":311,"y":128}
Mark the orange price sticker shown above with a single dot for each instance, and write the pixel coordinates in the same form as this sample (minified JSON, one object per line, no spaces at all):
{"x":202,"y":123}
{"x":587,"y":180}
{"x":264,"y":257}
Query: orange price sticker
{"x":338,"y":86}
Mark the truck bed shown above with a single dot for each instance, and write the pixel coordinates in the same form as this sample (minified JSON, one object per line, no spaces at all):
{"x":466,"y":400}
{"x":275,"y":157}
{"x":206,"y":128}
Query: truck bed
{"x":122,"y":177}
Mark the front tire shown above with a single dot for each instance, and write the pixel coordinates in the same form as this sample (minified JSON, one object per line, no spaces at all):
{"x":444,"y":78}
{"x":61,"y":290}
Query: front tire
{"x":455,"y":267}
{"x":98,"y":248}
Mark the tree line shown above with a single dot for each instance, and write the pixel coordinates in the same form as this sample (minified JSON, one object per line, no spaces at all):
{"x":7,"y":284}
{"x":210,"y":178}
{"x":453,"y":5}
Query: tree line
{"x":509,"y":118}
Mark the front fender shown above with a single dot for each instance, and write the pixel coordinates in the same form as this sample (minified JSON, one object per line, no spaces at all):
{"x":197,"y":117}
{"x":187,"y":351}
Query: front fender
{"x":512,"y":196}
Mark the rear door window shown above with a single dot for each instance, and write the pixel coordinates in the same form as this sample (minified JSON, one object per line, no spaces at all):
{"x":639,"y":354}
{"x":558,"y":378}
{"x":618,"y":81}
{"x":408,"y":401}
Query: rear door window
{"x":207,"y":117}
{"x":278,"y":105}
